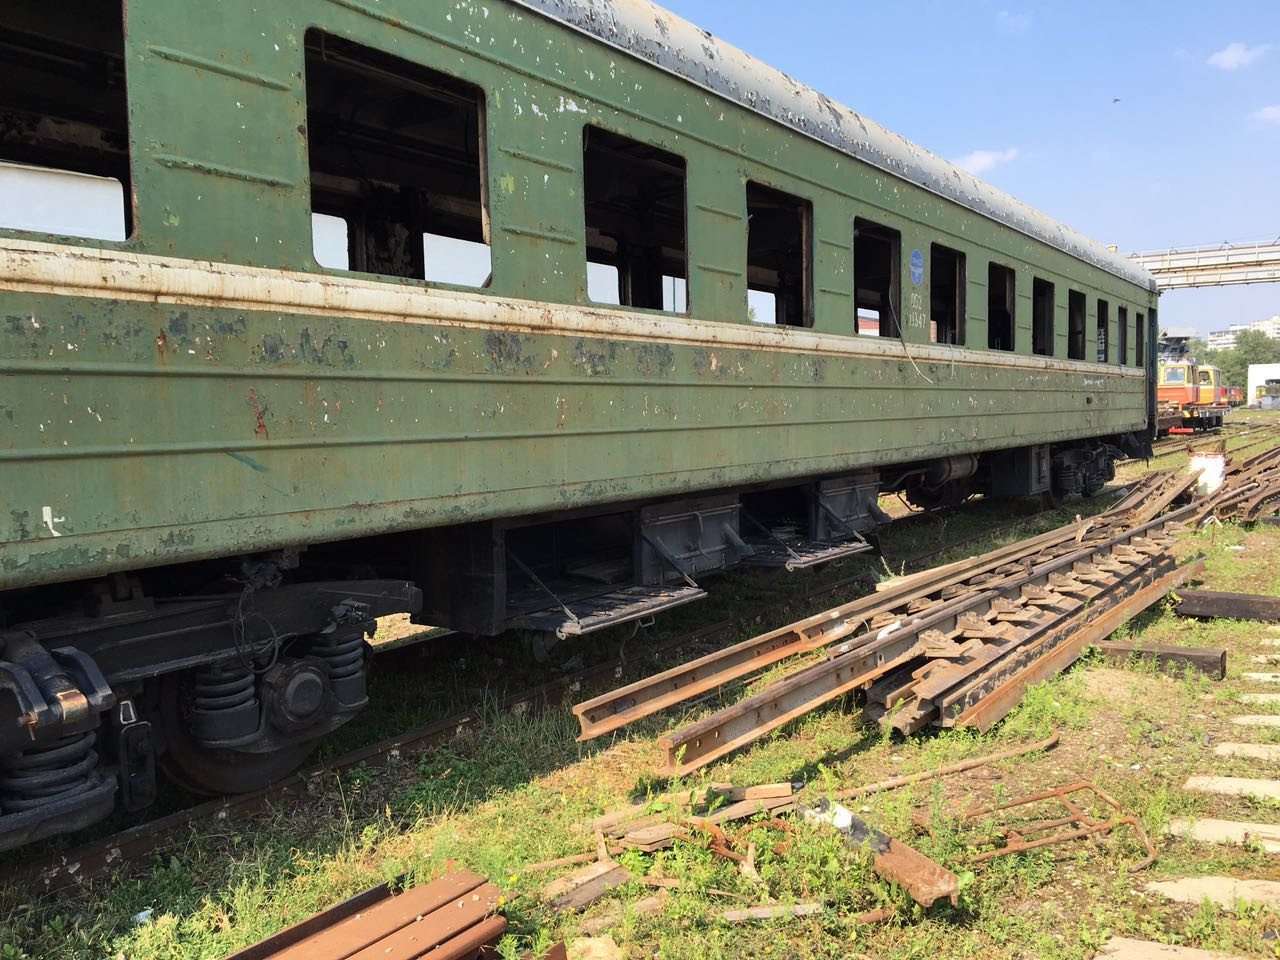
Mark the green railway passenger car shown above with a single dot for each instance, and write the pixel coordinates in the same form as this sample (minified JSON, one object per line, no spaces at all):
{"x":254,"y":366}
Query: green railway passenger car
{"x":503,"y":313}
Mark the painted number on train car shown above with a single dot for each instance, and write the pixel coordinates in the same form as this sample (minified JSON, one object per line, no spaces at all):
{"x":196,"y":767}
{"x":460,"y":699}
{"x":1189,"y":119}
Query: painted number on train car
{"x":916,"y":316}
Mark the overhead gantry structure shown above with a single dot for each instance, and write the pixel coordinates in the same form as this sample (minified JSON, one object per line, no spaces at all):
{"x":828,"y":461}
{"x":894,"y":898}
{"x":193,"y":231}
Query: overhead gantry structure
{"x":1223,"y":265}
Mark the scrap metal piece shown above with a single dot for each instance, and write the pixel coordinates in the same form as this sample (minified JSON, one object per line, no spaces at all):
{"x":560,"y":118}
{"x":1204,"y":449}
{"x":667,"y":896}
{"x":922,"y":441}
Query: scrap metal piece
{"x":1045,"y":744}
{"x":1020,"y":839}
{"x":924,"y":880}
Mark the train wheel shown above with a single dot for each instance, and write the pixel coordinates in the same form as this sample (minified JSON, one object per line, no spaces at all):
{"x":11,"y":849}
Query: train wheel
{"x":213,"y":771}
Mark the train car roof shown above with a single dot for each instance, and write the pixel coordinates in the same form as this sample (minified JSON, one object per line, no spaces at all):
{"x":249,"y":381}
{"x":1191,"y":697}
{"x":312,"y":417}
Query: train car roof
{"x":643,"y":29}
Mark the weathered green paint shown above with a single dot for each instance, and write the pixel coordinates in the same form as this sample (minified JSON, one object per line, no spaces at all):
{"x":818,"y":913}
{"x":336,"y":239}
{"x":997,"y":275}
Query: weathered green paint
{"x":162,"y":432}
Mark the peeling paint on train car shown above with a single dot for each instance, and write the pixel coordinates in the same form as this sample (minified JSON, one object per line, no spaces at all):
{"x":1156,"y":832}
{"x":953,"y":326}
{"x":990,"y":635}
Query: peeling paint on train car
{"x":204,"y":388}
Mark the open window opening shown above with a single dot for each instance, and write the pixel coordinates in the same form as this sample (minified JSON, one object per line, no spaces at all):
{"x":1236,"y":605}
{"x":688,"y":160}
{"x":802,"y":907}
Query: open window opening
{"x":64,"y":119}
{"x":1139,"y":339}
{"x":779,"y":257}
{"x":877,"y":273}
{"x":1001,"y":302}
{"x":1075,"y":324}
{"x":1104,"y":330}
{"x":946,"y":294}
{"x":1042,"y":317}
{"x":397,"y":154}
{"x":634,"y":200}
{"x":1122,"y":335}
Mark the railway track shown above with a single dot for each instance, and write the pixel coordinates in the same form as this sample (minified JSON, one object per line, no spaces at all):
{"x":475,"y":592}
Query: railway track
{"x":1144,"y":503}
{"x":97,"y":858}
{"x":52,"y":872}
{"x":1038,"y":585}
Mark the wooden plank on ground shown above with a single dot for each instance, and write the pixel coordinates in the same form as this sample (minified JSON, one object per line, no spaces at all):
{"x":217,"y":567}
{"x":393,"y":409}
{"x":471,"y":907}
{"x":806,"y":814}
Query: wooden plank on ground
{"x":1211,"y":661}
{"x":333,"y":935}
{"x":1210,"y":604}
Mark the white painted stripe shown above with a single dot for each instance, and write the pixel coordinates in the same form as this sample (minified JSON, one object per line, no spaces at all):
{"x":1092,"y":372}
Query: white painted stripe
{"x":1208,"y":830}
{"x":1122,"y":948}
{"x":1224,"y":891}
{"x":1249,"y":751}
{"x":1234,"y":787}
{"x":34,"y":267}
{"x":1258,"y":720}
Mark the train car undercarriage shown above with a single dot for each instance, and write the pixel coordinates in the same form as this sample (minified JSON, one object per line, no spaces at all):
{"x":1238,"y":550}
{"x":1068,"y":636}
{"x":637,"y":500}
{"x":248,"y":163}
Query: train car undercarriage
{"x":226,"y":673}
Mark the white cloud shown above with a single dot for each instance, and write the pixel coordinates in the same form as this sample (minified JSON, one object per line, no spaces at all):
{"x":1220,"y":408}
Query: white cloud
{"x":980,"y":161}
{"x":1236,"y":55}
{"x":1270,"y":114}
{"x":1014,"y":22}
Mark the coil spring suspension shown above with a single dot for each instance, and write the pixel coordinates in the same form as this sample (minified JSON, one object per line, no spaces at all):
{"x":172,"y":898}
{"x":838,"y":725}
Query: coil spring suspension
{"x":343,"y":653}
{"x":47,"y":774}
{"x":225,"y":703}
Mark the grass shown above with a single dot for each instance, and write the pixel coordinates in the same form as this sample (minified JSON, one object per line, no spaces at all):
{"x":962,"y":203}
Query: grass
{"x":509,"y":793}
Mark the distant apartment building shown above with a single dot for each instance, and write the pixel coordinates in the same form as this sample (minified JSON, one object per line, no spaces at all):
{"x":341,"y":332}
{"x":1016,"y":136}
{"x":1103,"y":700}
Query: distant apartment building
{"x":1226,"y":339}
{"x":1270,"y":326}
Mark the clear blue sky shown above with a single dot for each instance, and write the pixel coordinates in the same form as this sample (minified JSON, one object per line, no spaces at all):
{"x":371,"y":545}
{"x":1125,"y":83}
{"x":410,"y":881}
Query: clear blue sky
{"x":1189,"y":155}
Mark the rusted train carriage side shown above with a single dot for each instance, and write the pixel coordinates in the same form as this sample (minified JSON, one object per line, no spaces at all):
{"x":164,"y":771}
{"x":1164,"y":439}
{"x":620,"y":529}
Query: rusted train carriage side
{"x":202,"y":391}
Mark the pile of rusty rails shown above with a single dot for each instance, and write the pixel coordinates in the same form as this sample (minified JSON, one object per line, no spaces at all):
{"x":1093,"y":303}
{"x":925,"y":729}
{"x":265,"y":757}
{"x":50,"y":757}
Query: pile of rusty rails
{"x":1250,"y":489}
{"x":953,"y":646}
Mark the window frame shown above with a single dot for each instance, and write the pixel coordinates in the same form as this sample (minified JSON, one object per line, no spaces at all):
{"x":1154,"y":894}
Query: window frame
{"x":960,"y":301}
{"x":125,"y":177}
{"x":1042,"y":320}
{"x":481,"y":106}
{"x":1103,"y":327}
{"x":1077,"y":324}
{"x":804,"y":205}
{"x":1122,"y":328}
{"x":685,"y":227}
{"x":893,"y":237}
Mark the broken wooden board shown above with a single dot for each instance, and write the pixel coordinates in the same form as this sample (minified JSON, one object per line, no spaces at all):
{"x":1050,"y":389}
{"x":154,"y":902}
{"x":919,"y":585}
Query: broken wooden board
{"x":656,"y":837}
{"x":581,"y":888}
{"x":1211,"y":661}
{"x":741,"y":810}
{"x":771,"y":911}
{"x":633,"y":814}
{"x":1212,"y":604}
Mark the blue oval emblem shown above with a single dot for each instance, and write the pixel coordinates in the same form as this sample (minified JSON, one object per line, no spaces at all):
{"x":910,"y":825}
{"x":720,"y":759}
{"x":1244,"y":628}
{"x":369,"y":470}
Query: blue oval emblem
{"x":917,"y":268}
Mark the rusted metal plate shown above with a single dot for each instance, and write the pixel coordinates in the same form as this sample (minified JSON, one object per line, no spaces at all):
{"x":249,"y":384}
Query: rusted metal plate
{"x":922,"y":878}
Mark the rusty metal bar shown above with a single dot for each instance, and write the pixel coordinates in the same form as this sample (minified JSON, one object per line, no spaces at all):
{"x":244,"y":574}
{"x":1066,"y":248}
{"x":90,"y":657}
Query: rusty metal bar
{"x":959,"y":767}
{"x":1089,"y":825}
